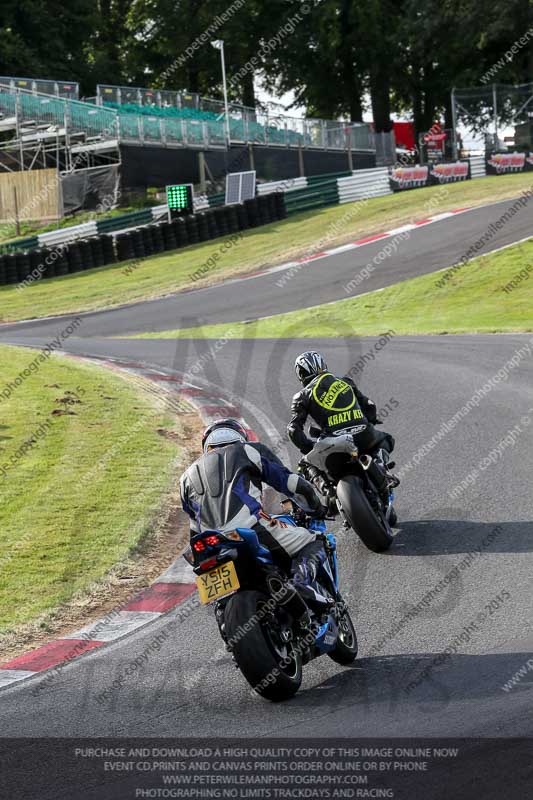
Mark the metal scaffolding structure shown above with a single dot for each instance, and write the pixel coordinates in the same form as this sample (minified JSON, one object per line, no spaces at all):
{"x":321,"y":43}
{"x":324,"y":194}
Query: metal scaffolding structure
{"x":488,"y":111}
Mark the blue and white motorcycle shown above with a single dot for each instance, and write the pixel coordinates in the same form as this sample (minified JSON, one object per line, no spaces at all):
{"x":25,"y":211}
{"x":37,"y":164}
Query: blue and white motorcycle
{"x":236,"y":573}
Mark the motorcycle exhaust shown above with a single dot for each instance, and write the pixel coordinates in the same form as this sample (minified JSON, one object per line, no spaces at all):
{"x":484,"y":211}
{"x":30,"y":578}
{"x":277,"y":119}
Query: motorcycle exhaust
{"x":365,"y":461}
{"x":286,"y":596}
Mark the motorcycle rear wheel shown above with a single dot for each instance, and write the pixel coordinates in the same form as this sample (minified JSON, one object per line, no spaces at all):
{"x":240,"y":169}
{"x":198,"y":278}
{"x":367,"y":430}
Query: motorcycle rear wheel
{"x":271,"y":666}
{"x":371,"y":529}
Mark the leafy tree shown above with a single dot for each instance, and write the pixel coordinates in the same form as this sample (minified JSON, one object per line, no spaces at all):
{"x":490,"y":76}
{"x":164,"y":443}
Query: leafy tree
{"x":47,"y":40}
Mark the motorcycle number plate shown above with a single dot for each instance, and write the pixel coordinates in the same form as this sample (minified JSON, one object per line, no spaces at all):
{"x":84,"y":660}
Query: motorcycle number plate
{"x":218,"y":583}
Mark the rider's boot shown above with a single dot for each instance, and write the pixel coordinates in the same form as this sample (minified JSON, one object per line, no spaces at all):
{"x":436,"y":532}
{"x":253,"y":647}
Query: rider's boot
{"x":323,"y":486}
{"x":385,"y":481}
{"x":383,"y":458}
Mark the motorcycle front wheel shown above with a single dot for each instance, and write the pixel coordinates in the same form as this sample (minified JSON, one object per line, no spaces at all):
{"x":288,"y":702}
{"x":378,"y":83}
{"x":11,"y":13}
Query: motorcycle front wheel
{"x":264,"y":651}
{"x":371,"y":529}
{"x":345,"y":650}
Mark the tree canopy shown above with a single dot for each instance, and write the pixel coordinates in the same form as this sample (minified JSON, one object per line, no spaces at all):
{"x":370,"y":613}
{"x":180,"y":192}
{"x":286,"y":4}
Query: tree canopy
{"x":339,"y":57}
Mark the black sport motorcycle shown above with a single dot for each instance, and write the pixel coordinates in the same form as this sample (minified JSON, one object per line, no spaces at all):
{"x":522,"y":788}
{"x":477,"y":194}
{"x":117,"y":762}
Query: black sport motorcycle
{"x":346,"y":478}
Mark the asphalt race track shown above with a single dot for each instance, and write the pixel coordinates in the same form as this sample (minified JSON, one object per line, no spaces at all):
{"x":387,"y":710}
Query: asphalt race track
{"x":190,"y":688}
{"x":427,"y":249}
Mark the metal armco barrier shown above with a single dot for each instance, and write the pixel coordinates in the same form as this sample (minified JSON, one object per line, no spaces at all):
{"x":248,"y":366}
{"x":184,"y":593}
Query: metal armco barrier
{"x":324,"y":193}
{"x":123,"y":221}
{"x":29,"y":243}
{"x":67,"y":234}
{"x":364,"y":183}
{"x":282,"y":186}
{"x":477,"y":166}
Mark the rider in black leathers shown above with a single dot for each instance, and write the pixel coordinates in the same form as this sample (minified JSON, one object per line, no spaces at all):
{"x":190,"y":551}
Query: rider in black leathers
{"x":337,"y":405}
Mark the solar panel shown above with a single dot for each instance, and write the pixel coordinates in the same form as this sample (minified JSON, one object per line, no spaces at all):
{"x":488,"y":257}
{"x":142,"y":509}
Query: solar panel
{"x":240,"y":186}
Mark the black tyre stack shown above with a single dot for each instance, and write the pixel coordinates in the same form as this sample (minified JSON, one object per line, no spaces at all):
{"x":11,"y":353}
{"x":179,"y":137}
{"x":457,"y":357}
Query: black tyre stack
{"x":221,"y":220}
{"x":252,"y":213}
{"x":279,"y":202}
{"x":124,"y":247}
{"x":45,"y":262}
{"x":3,"y":278}
{"x":11,"y":268}
{"x":74,"y":257}
{"x":204,"y":231}
{"x":158,"y":242}
{"x":59,"y":266}
{"x":242,"y":216}
{"x":182,"y":234}
{"x":87,"y":261}
{"x":22,"y":260}
{"x":108,"y":248}
{"x":169,"y":236}
{"x":97,"y":251}
{"x":142,"y":245}
{"x":263,"y":209}
{"x":233,"y":219}
{"x":272,"y":207}
{"x":212,"y":223}
{"x":191,"y":226}
{"x":148,"y":240}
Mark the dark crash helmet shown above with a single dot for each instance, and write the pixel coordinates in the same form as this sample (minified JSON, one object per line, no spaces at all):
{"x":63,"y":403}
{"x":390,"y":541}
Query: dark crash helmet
{"x":308,"y":365}
{"x":222,"y":432}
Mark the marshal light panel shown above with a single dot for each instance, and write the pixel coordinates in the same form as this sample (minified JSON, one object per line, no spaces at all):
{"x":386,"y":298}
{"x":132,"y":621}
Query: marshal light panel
{"x":180,"y":199}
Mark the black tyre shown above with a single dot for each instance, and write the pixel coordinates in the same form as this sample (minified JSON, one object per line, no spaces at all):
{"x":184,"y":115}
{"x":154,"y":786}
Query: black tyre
{"x":252,"y":212}
{"x":203,"y":226}
{"x":192,"y":229}
{"x":87,"y":261}
{"x":212,"y":224}
{"x":96,"y":249}
{"x":345,"y":651}
{"x":23,"y":266}
{"x":169,"y":237}
{"x":272,"y":667}
{"x":108,"y":247}
{"x":145,"y":236}
{"x":138,"y":242}
{"x":157,"y":239}
{"x":11,"y":268}
{"x":242,"y":216}
{"x":372,"y":530}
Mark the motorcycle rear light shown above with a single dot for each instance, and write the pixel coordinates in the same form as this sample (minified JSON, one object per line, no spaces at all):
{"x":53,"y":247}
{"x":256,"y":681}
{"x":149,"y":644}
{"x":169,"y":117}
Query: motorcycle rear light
{"x":209,"y":564}
{"x":199,"y":547}
{"x":212,"y":540}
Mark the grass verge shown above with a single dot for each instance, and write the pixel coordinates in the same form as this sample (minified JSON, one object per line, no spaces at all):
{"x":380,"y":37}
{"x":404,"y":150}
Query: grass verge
{"x":303,"y":234}
{"x":491,"y":294}
{"x":80,"y":500}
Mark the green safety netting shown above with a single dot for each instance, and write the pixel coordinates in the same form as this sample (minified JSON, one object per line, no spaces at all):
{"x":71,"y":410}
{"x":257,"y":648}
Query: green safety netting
{"x":54,"y":111}
{"x":157,"y":111}
{"x":7,"y":104}
{"x":239,"y":130}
